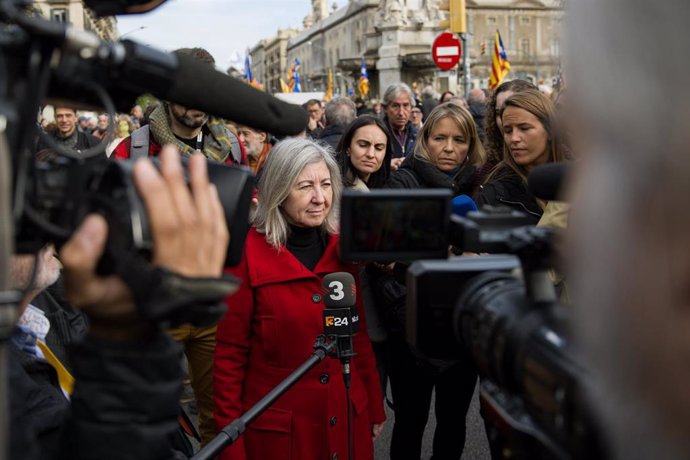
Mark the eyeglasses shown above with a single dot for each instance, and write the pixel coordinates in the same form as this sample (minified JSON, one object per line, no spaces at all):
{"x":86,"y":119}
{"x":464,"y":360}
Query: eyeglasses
{"x":416,"y":112}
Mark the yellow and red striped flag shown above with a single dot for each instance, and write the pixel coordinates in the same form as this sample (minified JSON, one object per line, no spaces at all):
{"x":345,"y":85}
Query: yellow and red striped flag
{"x":329,"y":89}
{"x":500,"y":65}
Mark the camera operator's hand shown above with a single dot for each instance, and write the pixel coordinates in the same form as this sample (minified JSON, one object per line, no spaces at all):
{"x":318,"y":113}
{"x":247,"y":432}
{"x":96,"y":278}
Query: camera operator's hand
{"x":189,"y":233}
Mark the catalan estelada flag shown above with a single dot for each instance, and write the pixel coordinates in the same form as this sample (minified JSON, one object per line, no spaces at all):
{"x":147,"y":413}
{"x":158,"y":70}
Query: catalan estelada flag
{"x":293,"y":78}
{"x":363,"y":85}
{"x":500,"y":66}
{"x":248,"y":68}
{"x":296,"y":86}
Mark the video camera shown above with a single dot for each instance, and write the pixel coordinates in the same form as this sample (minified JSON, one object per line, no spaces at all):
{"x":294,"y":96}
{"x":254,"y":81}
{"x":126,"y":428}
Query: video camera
{"x":501,"y":310}
{"x":47,"y":60}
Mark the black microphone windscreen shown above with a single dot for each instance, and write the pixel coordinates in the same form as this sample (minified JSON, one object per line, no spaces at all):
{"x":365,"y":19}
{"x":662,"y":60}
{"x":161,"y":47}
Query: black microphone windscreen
{"x":545,"y":181}
{"x":339,"y":290}
{"x":200,"y":86}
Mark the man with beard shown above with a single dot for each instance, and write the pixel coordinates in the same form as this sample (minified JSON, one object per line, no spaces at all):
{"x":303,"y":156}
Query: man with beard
{"x":66,"y":133}
{"x":185,"y":127}
{"x":102,"y":126}
{"x":257,"y":144}
{"x":190,"y":130}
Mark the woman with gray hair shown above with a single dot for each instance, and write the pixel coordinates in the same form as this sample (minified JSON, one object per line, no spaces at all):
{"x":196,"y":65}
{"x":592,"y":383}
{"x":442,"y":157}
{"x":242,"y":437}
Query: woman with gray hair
{"x":275,"y":317}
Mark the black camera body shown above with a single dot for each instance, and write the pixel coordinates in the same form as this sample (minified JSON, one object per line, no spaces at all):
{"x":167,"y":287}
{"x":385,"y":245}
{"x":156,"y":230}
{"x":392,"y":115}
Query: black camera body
{"x":500,"y":310}
{"x":43,"y":59}
{"x":433,"y":289}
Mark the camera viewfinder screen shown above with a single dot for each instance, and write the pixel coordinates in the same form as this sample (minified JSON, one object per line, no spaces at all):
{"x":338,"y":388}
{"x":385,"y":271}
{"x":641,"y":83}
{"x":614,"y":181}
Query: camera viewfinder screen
{"x":389,"y":225}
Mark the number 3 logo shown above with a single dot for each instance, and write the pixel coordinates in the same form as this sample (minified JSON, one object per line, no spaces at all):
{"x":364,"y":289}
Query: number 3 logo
{"x":337,"y":292}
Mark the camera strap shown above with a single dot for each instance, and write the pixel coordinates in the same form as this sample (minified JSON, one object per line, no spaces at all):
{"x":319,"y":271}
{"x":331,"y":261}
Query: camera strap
{"x":164,"y":296}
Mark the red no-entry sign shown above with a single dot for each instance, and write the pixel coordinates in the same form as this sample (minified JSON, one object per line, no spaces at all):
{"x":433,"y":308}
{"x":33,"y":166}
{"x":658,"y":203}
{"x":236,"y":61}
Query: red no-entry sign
{"x":446,"y":51}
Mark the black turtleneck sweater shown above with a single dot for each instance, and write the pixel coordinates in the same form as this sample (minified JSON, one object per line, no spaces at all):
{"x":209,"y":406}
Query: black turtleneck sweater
{"x":307,"y":244}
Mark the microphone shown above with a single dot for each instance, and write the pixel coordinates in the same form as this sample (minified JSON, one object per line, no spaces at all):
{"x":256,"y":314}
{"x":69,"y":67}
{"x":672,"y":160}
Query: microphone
{"x":463,"y":204}
{"x":127,"y":69}
{"x":545,"y":181}
{"x":201,"y":87}
{"x":340,"y":317}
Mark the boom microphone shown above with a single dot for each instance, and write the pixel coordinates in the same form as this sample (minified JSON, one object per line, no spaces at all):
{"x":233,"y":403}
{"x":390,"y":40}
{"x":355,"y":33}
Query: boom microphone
{"x":201,"y":87}
{"x":128,"y":69}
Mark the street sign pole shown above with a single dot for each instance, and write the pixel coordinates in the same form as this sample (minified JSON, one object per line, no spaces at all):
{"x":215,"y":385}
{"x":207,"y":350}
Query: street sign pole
{"x":465,"y":65}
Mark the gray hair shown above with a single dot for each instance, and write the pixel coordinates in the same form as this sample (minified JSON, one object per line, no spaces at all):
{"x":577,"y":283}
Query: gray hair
{"x":628,"y":236}
{"x":476,"y":96}
{"x":393,"y":91}
{"x":284,"y":164}
{"x":429,"y":91}
{"x":340,"y":111}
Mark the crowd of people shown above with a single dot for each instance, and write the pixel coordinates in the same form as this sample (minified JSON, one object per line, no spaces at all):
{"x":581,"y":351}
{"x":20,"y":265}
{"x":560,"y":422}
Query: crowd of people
{"x":483,"y":147}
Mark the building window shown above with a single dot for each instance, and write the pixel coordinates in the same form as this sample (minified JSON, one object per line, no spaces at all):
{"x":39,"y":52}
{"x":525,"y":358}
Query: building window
{"x":555,"y":48}
{"x":524,"y":47}
{"x":491,"y":20}
{"x":525,"y":20}
{"x":59,"y":14}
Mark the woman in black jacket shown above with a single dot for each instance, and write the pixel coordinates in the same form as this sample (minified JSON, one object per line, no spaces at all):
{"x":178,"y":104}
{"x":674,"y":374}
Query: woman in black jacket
{"x":532,"y":138}
{"x":447,"y":155}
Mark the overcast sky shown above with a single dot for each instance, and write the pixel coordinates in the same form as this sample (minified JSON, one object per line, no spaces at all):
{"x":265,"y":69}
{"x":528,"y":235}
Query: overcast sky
{"x":224,"y":27}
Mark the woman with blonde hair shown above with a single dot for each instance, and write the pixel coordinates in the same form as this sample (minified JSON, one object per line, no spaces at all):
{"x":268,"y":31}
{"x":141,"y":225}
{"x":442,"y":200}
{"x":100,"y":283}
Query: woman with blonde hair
{"x":447,"y":155}
{"x":532,"y":137}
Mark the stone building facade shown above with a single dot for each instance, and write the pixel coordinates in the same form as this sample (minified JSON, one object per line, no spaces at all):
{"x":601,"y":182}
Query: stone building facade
{"x":337,"y":41}
{"x":75,"y":13}
{"x":395,"y":37}
{"x":275,"y":60}
{"x":531,"y":31}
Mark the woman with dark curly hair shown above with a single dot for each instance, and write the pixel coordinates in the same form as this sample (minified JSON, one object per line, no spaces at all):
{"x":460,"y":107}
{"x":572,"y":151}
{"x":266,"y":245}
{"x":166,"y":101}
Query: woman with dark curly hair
{"x":494,"y":135}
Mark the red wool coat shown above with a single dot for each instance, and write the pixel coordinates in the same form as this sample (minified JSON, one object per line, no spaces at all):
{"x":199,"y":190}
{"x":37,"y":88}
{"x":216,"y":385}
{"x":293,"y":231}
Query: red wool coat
{"x":271,"y":325}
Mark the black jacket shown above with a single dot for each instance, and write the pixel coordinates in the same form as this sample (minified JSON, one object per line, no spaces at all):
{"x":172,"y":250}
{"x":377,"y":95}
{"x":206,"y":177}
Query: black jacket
{"x":67,"y":324}
{"x":478,"y":112}
{"x":38,"y":409}
{"x":508,"y":189}
{"x":402,"y":151}
{"x":331,"y":135}
{"x":84,"y":141}
{"x":124,"y":405}
{"x":415,"y":173}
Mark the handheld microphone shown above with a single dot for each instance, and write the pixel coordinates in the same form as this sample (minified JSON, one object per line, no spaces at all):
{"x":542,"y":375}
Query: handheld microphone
{"x":340,"y":317}
{"x":463,"y":204}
